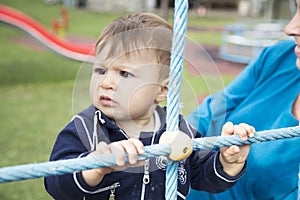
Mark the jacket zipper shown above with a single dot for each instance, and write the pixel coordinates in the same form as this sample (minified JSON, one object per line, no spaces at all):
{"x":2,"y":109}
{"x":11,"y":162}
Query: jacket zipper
{"x":146,"y":178}
{"x":112,"y":191}
{"x":112,"y":188}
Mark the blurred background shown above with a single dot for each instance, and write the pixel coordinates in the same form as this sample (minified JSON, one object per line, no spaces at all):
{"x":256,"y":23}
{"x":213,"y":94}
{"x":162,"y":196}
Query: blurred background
{"x":44,"y":70}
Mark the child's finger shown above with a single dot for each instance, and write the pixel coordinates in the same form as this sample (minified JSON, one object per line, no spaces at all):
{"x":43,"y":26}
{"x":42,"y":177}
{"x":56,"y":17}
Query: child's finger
{"x":132,"y":147}
{"x":118,"y":150}
{"x":241,"y":131}
{"x":139,"y":145}
{"x":227,"y":129}
{"x":132,"y":150}
{"x":250,"y":129}
{"x":102,"y":147}
{"x":230,"y":151}
{"x":244,"y":130}
{"x":230,"y":154}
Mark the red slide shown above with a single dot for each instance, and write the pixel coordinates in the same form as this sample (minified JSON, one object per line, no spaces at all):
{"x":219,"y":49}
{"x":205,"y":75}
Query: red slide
{"x":80,"y":52}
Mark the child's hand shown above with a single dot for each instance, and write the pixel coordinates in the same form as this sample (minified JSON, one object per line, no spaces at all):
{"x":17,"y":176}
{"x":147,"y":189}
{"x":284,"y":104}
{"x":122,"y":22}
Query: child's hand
{"x":234,"y":157}
{"x":131,"y":147}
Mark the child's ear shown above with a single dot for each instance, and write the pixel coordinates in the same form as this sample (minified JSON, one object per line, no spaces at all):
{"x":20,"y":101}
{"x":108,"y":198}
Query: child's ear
{"x":163,"y":93}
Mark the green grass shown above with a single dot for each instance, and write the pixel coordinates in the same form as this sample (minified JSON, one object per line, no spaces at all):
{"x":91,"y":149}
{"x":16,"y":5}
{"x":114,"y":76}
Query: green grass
{"x":22,"y":64}
{"x":36,"y":87}
{"x":210,"y":21}
{"x":31,"y":116}
{"x":206,"y":38}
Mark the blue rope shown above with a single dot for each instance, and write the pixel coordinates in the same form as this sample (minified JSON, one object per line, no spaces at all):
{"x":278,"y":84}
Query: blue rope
{"x":175,"y":76}
{"x":30,"y":171}
{"x":261,"y":136}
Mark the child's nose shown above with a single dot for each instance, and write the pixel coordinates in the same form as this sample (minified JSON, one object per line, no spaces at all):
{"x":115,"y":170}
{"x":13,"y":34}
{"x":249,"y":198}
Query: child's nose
{"x":108,"y":81}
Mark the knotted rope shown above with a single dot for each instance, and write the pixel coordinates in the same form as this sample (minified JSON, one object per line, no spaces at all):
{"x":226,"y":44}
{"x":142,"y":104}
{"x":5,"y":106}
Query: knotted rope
{"x":31,"y":171}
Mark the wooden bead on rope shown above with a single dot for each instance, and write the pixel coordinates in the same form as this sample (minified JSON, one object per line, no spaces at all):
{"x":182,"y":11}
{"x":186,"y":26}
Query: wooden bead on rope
{"x":181,"y":144}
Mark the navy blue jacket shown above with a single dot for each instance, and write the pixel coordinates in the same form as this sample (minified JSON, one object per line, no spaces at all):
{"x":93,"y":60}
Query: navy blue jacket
{"x":201,"y":171}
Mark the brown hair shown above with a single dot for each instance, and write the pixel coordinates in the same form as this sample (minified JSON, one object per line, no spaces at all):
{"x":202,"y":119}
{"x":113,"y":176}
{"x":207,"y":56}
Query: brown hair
{"x":136,"y":32}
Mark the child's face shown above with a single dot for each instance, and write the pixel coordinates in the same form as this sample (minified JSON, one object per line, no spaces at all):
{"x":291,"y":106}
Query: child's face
{"x":127,"y":87}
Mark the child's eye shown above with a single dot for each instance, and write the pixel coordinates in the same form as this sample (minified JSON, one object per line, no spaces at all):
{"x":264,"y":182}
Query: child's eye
{"x":125,"y":74}
{"x":99,"y":71}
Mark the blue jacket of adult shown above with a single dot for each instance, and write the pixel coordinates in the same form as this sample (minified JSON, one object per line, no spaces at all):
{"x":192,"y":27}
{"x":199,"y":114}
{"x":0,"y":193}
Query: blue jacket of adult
{"x":262,"y":96}
{"x":201,"y":171}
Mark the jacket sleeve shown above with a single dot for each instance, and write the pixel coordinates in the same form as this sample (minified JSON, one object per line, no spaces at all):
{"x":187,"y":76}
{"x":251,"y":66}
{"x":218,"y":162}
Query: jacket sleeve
{"x":69,"y":186}
{"x":67,"y":146}
{"x":206,"y":171}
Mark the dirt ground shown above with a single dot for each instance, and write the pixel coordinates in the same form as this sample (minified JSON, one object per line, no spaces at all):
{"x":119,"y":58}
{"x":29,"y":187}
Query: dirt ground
{"x":206,"y":60}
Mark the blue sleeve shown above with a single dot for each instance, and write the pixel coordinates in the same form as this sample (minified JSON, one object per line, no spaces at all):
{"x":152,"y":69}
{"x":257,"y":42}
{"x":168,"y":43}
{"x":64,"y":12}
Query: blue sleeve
{"x":212,"y":113}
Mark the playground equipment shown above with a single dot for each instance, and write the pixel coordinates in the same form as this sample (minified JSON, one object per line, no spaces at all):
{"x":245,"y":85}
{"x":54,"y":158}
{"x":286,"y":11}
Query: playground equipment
{"x":62,"y":167}
{"x":30,"y":171}
{"x":61,"y":24}
{"x":242,"y":42}
{"x":80,"y":52}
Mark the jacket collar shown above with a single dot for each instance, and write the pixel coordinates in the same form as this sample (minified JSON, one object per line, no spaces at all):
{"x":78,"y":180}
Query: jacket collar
{"x":114,"y":133}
